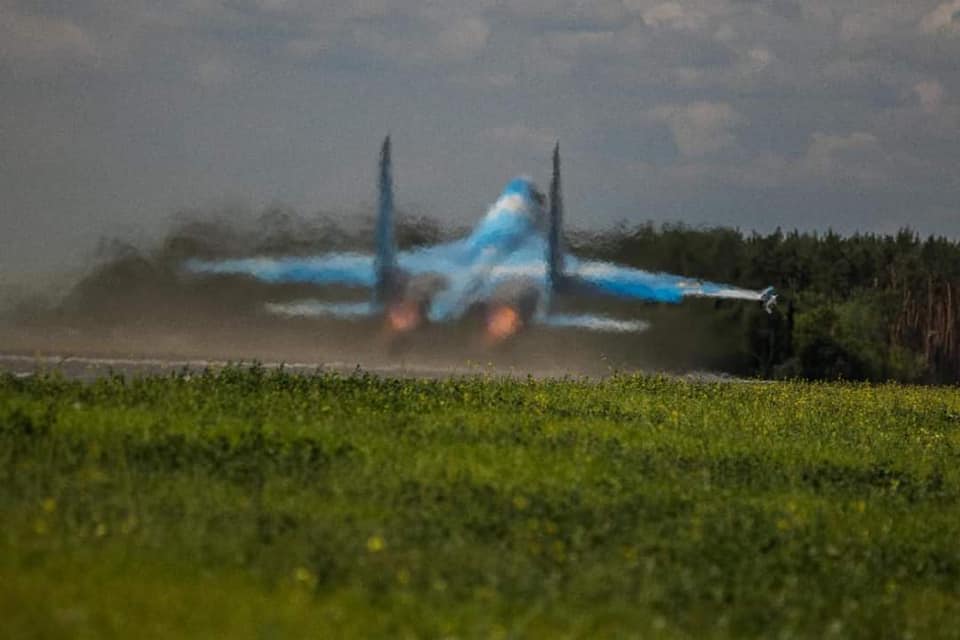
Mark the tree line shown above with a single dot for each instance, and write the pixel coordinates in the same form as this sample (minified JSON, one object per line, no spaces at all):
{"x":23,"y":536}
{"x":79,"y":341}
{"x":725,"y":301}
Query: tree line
{"x":859,"y":307}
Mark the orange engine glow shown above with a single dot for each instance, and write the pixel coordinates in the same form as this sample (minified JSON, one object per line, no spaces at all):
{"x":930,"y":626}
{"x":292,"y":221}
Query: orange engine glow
{"x":502,"y":322}
{"x":404,"y":316}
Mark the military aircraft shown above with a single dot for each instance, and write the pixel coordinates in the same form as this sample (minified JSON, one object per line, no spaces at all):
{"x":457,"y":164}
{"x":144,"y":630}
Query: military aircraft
{"x":513,"y":264}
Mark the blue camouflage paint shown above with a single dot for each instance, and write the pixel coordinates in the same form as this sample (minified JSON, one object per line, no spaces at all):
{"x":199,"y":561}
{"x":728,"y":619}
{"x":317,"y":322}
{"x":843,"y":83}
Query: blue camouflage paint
{"x":507,"y":243}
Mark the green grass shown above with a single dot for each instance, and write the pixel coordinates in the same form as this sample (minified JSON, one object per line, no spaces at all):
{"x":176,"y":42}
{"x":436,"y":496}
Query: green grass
{"x":255,"y":504}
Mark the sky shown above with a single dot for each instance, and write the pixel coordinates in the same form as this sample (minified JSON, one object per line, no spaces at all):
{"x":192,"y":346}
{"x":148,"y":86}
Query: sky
{"x":116,"y":114}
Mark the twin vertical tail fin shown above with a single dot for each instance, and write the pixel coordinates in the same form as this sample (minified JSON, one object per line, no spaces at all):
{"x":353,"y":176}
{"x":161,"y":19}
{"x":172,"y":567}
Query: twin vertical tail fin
{"x":386,"y":256}
{"x":555,"y":227}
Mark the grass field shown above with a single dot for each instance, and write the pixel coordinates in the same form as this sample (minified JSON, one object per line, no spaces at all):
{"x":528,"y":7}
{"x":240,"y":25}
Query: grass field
{"x":255,"y":504}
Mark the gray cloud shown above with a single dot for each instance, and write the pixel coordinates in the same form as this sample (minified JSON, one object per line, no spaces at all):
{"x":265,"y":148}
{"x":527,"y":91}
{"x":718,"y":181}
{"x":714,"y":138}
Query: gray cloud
{"x":699,"y":128}
{"x":945,"y":18}
{"x":32,"y":43}
{"x":752,"y":113}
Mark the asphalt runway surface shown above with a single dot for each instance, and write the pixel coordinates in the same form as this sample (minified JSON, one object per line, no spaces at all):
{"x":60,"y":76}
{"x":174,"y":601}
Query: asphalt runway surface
{"x":88,"y":369}
{"x":87,"y":351}
{"x":139,"y":348}
{"x":91,"y":368}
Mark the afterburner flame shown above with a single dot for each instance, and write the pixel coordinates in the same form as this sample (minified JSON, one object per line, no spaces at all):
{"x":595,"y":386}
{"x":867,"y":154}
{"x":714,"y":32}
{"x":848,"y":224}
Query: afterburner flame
{"x":502,"y":322}
{"x":404,"y":316}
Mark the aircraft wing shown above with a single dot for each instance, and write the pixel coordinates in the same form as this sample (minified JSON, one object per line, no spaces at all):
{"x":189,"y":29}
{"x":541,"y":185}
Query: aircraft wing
{"x":626,"y":282}
{"x":349,"y":269}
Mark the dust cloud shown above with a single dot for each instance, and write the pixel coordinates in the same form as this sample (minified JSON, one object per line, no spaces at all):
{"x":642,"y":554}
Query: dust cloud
{"x":137,"y":302}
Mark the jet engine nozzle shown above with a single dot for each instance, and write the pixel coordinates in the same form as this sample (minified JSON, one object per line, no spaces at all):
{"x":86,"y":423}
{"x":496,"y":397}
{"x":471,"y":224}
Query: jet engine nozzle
{"x":407,"y":311}
{"x":503,"y":322}
{"x":404,"y":316}
{"x":510,"y":309}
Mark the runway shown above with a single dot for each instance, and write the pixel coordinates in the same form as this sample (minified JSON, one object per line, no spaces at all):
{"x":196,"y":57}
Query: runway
{"x":86,"y":353}
{"x":161,"y":345}
{"x":88,"y":369}
{"x":91,"y":368}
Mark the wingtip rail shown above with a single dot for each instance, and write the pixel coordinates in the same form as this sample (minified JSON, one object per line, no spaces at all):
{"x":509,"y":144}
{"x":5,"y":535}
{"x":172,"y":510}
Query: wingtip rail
{"x":768,"y":298}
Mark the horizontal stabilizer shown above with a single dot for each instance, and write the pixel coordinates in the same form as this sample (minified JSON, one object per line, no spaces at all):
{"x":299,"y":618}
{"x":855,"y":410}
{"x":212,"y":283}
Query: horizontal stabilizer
{"x":317,"y":308}
{"x":595,"y":323}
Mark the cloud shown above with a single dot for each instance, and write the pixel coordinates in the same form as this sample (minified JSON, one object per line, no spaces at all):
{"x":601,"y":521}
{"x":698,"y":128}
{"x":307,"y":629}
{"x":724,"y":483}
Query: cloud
{"x":674,"y":16}
{"x":877,"y":20}
{"x":699,"y":128}
{"x":216,"y":71}
{"x":945,"y":18}
{"x":930,"y":93}
{"x":307,"y":47}
{"x":463,"y":38}
{"x":430,"y":38}
{"x":759,"y":58}
{"x":36,"y":40}
{"x":522,"y":135}
{"x":761,"y":172}
{"x":564,"y":14}
{"x":572,"y":44}
{"x":856,"y":158}
{"x":284,"y":99}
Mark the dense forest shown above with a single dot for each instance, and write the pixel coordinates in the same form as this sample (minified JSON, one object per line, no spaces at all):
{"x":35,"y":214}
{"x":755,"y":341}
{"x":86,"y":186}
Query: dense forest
{"x":863,"y":307}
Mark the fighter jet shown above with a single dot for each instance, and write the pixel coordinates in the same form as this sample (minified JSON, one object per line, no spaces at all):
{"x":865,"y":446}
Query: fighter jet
{"x":513,"y":264}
